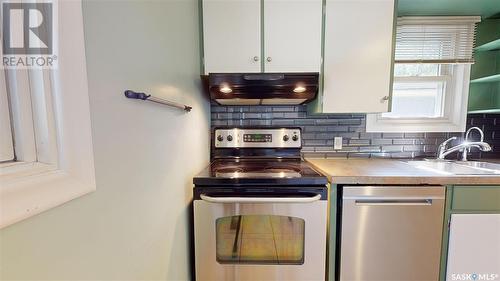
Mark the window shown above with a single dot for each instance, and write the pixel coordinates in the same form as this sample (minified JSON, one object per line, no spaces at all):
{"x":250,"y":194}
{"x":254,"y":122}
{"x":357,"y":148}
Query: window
{"x":29,"y":116}
{"x":431,"y":76}
{"x":46,"y":149}
{"x":418,"y":90}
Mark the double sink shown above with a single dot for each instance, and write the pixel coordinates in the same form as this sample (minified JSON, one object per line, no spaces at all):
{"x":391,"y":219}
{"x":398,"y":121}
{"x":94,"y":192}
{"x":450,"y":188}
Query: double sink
{"x":447,"y":167}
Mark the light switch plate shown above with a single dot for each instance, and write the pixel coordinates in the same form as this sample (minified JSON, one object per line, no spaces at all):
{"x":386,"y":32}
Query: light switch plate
{"x":337,"y":143}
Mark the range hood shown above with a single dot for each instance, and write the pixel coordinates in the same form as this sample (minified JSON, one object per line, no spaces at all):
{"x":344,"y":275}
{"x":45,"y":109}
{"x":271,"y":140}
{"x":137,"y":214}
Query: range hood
{"x":261,"y":88}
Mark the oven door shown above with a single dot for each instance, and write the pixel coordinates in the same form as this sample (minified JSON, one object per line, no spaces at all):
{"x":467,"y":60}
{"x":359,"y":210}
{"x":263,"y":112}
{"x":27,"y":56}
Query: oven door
{"x":252,"y":236}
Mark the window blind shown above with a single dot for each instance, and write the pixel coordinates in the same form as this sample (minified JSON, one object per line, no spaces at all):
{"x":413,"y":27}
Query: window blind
{"x":435,"y":39}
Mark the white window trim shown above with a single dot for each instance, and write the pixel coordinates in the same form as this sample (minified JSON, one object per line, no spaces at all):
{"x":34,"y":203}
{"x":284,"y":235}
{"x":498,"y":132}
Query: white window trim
{"x":455,"y":111}
{"x":6,"y":144}
{"x":30,"y":188}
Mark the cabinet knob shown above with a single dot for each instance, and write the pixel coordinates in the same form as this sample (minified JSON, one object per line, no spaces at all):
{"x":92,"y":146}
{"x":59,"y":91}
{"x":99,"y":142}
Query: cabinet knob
{"x":256,"y":58}
{"x":385,"y":98}
{"x":269,"y":59}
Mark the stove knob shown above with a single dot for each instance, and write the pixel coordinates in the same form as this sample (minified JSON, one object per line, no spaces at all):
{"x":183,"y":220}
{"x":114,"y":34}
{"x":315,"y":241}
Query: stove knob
{"x":229,"y":138}
{"x":286,"y":138}
{"x":220,"y":138}
{"x":295,"y":138}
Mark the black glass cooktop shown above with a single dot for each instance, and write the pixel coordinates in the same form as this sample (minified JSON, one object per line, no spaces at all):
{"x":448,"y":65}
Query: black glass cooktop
{"x":263,"y":171}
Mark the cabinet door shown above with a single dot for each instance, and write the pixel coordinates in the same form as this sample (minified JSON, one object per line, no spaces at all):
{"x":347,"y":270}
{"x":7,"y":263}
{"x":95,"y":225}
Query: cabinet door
{"x":232,"y":35}
{"x":292,"y":35}
{"x":358,"y":55}
{"x":474,"y":246}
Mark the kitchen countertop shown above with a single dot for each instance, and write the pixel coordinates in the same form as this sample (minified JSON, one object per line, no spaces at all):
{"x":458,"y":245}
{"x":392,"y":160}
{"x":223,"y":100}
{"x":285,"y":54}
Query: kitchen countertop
{"x":387,"y":171}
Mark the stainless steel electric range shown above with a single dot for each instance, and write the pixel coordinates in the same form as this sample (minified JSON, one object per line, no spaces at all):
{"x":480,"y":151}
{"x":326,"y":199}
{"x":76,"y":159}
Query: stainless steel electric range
{"x":260,"y":212}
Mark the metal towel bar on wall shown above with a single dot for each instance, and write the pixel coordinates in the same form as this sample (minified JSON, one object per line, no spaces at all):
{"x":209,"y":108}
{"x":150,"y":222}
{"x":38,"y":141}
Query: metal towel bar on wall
{"x":143,"y":96}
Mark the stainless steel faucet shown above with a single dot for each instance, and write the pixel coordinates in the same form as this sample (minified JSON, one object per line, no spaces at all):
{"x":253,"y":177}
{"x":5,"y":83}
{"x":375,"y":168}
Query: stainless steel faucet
{"x":467,"y":150}
{"x":442,"y":148}
{"x":464,"y":146}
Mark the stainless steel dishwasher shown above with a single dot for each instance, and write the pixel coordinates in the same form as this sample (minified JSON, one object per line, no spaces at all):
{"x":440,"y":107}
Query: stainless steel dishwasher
{"x":391,"y":232}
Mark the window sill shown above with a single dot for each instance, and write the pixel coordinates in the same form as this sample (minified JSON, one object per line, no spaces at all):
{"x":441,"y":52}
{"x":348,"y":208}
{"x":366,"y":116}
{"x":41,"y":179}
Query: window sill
{"x":376,"y":124}
{"x":24,"y":196}
{"x":13,"y":170}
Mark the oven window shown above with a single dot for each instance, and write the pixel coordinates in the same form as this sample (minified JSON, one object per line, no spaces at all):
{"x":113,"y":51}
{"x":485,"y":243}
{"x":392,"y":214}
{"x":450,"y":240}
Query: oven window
{"x":260,"y":239}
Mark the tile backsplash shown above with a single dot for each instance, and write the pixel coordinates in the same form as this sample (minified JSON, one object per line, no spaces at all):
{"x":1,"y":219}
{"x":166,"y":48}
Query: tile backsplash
{"x":490,"y":124}
{"x":318,"y":131}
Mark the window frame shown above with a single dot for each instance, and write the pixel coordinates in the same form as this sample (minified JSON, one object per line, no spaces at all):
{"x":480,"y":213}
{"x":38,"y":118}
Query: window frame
{"x":66,"y":172}
{"x":6,"y":141}
{"x":456,"y":98}
{"x":445,"y":75}
{"x":454,"y":112}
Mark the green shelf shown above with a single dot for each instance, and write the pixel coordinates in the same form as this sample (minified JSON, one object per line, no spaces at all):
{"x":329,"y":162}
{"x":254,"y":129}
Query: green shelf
{"x":484,"y":89}
{"x":488,"y":35}
{"x":490,"y":46}
{"x":485,"y":111}
{"x":484,"y":98}
{"x":487,"y":79}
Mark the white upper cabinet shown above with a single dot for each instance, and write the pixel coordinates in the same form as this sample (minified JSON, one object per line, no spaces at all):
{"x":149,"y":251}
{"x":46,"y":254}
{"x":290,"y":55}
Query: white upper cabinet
{"x":358,"y":56}
{"x":232,"y":35}
{"x":292,"y":35}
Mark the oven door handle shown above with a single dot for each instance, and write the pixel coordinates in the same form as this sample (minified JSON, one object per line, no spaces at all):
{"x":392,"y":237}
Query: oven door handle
{"x":212,"y":199}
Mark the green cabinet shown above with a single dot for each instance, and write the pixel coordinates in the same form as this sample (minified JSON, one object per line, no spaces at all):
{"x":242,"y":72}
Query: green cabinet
{"x":475,"y":198}
{"x":332,"y":232}
{"x":484,"y":92}
{"x":467,"y":199}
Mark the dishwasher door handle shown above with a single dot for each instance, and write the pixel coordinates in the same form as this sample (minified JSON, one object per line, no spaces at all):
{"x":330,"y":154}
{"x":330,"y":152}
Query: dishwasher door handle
{"x":393,"y":202}
{"x":213,"y":199}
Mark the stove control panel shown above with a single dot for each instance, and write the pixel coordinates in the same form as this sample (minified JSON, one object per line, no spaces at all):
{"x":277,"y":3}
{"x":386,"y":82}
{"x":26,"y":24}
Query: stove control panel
{"x":258,"y":138}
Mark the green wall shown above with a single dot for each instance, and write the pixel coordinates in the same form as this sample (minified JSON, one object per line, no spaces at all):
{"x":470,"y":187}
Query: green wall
{"x":135,"y":226}
{"x":485,"y":8}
